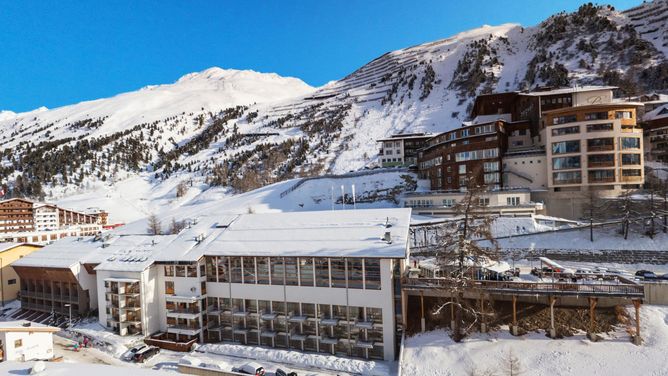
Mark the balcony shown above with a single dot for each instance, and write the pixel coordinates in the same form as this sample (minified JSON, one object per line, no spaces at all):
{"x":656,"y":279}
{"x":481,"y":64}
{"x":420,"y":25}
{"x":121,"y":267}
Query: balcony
{"x":635,"y":179}
{"x":606,"y":179}
{"x":184,"y":313}
{"x":189,"y":330}
{"x":597,"y":148}
{"x":567,"y":181}
{"x":601,"y":164}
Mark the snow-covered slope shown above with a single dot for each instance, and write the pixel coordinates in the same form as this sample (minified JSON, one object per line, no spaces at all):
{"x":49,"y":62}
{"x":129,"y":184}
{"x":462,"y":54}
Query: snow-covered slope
{"x":245,"y":130}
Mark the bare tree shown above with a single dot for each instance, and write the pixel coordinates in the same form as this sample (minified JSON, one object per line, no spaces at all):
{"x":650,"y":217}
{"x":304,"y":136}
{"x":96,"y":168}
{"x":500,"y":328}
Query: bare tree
{"x":154,"y":225}
{"x":512,"y":366}
{"x":460,"y":254}
{"x":595,"y":209}
{"x":176,"y":226}
{"x":181,"y":189}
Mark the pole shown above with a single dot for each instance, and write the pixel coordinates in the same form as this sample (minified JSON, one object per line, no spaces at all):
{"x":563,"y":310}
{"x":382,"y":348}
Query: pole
{"x":354,"y":203}
{"x":343,"y":198}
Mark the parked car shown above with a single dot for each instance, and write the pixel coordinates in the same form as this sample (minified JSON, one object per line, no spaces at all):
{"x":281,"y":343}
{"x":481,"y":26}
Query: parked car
{"x":646,"y":274}
{"x":251,"y":369}
{"x":280,"y":372}
{"x":664,"y":277}
{"x":128,"y":355}
{"x":584,"y":271}
{"x":145,"y":354}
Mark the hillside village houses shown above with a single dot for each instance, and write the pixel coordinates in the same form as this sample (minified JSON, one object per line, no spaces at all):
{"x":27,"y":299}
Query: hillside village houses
{"x":539,"y":152}
{"x":310,"y":281}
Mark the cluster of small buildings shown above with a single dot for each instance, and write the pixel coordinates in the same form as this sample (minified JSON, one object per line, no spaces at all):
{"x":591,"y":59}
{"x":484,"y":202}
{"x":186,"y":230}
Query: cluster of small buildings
{"x":326,"y":282}
{"x":26,"y":221}
{"x":537,"y":152}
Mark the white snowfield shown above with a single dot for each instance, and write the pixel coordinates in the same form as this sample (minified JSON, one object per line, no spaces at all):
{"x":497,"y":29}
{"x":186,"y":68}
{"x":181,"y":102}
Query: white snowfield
{"x":434,"y":353}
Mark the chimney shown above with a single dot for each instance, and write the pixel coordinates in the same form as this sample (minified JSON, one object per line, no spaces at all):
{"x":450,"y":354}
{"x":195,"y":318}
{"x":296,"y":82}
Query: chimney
{"x":387,"y":237}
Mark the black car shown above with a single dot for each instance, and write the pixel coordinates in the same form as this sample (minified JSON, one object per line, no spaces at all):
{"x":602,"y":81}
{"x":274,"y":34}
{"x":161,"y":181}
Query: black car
{"x":280,"y":372}
{"x":646,"y":274}
{"x":145,"y":354}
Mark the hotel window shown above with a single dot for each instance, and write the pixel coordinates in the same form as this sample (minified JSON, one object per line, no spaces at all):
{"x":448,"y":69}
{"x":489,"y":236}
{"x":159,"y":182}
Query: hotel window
{"x":180,"y":271}
{"x":564,"y":119}
{"x":601,"y":160}
{"x":448,"y":202}
{"x":221,"y":269}
{"x":491,"y":166}
{"x":513,"y":201}
{"x":291,"y":277}
{"x":565,"y":147}
{"x":631,"y":172}
{"x":603,"y":115}
{"x":570,"y":177}
{"x":235,"y":269}
{"x":277,"y":269}
{"x":601,"y":176}
{"x":483,"y":201}
{"x":210,"y":269}
{"x":566,"y":130}
{"x":623,"y":115}
{"x":338,"y":272}
{"x":462,"y":169}
{"x":630,"y":159}
{"x":169,"y":287}
{"x":192,"y":271}
{"x":630,"y":143}
{"x":372,"y":273}
{"x":306,"y":271}
{"x":599,"y":127}
{"x":321,"y":272}
{"x":169,"y":271}
{"x":249,"y":269}
{"x":491,"y":178}
{"x":355,"y":273}
{"x":600,"y":144}
{"x":564,"y":163}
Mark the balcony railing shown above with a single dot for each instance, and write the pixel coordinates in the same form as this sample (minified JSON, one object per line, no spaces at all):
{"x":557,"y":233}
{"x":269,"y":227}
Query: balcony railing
{"x":631,"y":178}
{"x":568,"y":181}
{"x":594,"y":148}
{"x":601,"y":164}
{"x":608,"y":179}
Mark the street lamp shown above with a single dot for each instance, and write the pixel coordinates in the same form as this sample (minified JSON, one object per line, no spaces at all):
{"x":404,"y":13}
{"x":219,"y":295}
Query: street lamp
{"x":70,"y":307}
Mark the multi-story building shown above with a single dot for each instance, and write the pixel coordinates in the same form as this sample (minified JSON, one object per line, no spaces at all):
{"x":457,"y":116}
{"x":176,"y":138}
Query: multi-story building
{"x":46,"y":217}
{"x":472,"y":153}
{"x":655,"y":132}
{"x":530,"y":106}
{"x":597,"y":146}
{"x":401,"y":149}
{"x":16,"y":215}
{"x":325,"y":282}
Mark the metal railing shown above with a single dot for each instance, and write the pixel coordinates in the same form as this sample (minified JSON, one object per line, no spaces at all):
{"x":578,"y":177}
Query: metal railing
{"x":531,"y":288}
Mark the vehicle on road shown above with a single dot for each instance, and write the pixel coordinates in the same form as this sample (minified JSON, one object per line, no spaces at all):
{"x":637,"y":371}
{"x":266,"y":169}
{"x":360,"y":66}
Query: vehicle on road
{"x":646,"y":274}
{"x":251,"y":368}
{"x":128,"y":355}
{"x":146,"y":354}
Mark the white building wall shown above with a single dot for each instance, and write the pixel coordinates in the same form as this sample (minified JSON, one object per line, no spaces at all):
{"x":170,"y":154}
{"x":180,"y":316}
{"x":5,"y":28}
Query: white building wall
{"x":35,"y":345}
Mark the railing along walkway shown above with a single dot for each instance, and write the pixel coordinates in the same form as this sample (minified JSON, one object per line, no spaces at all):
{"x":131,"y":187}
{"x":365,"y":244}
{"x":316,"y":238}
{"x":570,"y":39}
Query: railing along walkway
{"x":532,"y":288}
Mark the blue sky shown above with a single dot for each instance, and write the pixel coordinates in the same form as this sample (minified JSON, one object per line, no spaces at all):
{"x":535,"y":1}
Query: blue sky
{"x":54,"y":53}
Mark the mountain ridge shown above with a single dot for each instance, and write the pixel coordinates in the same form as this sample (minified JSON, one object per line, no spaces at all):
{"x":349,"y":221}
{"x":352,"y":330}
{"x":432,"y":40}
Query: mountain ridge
{"x":304,"y":131}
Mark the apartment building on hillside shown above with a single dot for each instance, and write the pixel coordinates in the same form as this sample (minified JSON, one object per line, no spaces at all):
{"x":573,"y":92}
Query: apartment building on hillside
{"x":597,"y":147}
{"x":401,"y":149}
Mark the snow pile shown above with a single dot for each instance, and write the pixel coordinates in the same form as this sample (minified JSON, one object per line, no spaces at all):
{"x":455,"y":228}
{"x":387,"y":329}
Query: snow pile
{"x":434,"y":353}
{"x":297,"y":358}
{"x":104,"y":339}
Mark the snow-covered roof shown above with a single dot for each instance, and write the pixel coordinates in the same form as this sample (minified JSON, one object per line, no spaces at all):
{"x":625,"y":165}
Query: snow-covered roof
{"x":485,"y":119}
{"x":11,"y":245}
{"x":24,"y":325}
{"x":349,"y":233}
{"x":657,"y":113}
{"x":63,"y":253}
{"x":567,"y":90}
{"x":133,"y":253}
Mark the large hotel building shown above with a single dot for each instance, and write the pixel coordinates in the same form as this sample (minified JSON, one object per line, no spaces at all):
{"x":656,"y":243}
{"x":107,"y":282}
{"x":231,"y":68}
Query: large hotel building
{"x":326,"y":282}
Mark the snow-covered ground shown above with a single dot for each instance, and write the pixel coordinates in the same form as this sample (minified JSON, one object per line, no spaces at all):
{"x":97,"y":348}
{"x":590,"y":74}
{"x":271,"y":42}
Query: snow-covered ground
{"x":434,"y":353}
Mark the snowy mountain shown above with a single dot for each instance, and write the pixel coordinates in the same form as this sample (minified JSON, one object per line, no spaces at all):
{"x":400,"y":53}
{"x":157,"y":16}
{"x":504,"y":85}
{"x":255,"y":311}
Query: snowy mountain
{"x":244,"y":130}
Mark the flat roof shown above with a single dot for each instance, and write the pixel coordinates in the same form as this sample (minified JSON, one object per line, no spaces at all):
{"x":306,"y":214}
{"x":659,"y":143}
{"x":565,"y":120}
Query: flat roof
{"x":11,"y":245}
{"x":339,"y":233}
{"x":26,"y":326}
{"x":568,"y":90}
{"x":398,"y":137}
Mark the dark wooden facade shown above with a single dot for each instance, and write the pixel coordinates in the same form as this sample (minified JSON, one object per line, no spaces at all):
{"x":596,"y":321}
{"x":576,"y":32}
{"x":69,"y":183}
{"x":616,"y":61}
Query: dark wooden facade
{"x":440,"y":160}
{"x":51,"y":289}
{"x":16,"y":215}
